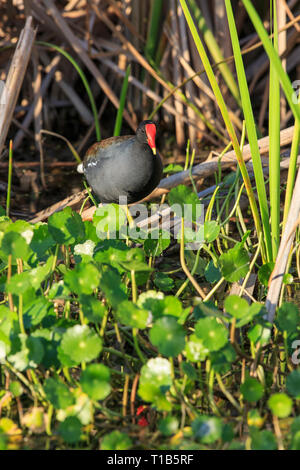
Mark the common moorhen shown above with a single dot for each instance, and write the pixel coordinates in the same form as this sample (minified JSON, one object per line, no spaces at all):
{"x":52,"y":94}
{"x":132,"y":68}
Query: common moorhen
{"x":126,"y":166}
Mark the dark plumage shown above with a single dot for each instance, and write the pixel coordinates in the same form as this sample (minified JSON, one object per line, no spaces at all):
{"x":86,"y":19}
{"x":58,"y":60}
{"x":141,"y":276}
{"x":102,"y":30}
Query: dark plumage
{"x":124,"y":166}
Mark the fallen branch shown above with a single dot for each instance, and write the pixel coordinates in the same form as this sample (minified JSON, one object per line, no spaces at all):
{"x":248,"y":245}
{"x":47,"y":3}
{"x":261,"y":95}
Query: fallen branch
{"x":202,"y":170}
{"x":11,"y":90}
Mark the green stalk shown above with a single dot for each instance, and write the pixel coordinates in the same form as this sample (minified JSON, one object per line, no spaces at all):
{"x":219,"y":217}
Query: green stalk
{"x":84,"y":80}
{"x":274,"y":134}
{"x":215,"y":51}
{"x":119,"y":119}
{"x":274,"y":58}
{"x":230,"y":129}
{"x":154,"y":29}
{"x":251,"y":130}
{"x":10,"y":157}
{"x":292,"y":171}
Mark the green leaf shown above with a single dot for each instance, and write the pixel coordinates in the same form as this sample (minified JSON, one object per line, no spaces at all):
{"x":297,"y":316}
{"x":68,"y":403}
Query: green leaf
{"x":109,"y":218}
{"x":222,"y":359}
{"x":190,"y":258}
{"x":157,"y":242}
{"x":19,"y":283}
{"x":70,"y":429}
{"x":207,"y":429}
{"x":293,"y":383}
{"x":212,"y":273}
{"x":173,"y":168}
{"x":42,"y":240}
{"x":130,"y":314}
{"x":116,"y":440}
{"x":80,"y":344}
{"x":15,"y":388}
{"x":259,"y":333}
{"x":26,"y":352}
{"x":155,"y":381}
{"x":15,"y":245}
{"x":35,"y":311}
{"x":236,"y":306}
{"x":252,"y":390}
{"x":92,"y":308}
{"x":134,"y":260}
{"x":113,"y":288}
{"x":195,"y":350}
{"x":211,"y":231}
{"x":66,"y":227}
{"x":163,"y":282}
{"x":262,"y":440}
{"x":213,"y":334}
{"x":280,"y":404}
{"x":288,"y":317}
{"x":234,"y":264}
{"x":265,"y":272}
{"x":84,"y":279}
{"x":58,"y":394}
{"x":168,"y":426}
{"x":168,"y":336}
{"x":95,"y":381}
{"x":185,"y":202}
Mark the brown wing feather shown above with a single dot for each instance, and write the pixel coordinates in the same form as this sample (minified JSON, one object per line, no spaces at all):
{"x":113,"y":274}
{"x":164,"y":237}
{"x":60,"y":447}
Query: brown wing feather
{"x":105,"y":143}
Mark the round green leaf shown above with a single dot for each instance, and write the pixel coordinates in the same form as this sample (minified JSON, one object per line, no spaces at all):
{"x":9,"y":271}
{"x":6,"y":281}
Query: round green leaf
{"x":168,"y":426}
{"x":70,"y":429}
{"x":213,"y":334}
{"x":163,"y":282}
{"x":252,"y":390}
{"x":155,"y":381}
{"x":131,"y":315}
{"x":280,"y":404}
{"x":211,"y":230}
{"x":84,"y":279}
{"x":288,"y":317}
{"x":109,"y":218}
{"x":293,"y":383}
{"x":80,"y":344}
{"x":58,"y":394}
{"x":116,"y":440}
{"x":168,"y":336}
{"x":234,"y":263}
{"x":262,"y":440}
{"x":66,"y":227}
{"x":195,"y":350}
{"x":265,"y":272}
{"x":236,"y":306}
{"x":95,"y":381}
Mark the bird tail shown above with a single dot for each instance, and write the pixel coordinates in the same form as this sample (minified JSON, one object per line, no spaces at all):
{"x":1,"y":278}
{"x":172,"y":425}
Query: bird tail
{"x":80,"y":168}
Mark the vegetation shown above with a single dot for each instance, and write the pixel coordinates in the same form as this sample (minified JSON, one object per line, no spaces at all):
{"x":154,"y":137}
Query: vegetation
{"x":115,"y":336}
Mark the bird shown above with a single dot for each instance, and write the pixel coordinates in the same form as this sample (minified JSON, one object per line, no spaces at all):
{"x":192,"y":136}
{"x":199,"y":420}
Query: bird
{"x":124,"y":167}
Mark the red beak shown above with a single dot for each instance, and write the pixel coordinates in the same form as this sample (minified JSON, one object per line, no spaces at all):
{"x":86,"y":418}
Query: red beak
{"x":151,"y":133}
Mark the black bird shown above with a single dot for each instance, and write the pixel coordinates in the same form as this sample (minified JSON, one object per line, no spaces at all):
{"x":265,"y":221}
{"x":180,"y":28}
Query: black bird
{"x":127,"y":166}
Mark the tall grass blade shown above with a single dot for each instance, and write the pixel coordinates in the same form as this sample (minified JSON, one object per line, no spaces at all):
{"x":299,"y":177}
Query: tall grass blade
{"x":215,"y":51}
{"x":251,"y":130}
{"x":154,"y":30}
{"x":292,"y":172}
{"x":230,"y":129}
{"x":119,"y":118}
{"x":84,"y":80}
{"x":274,"y":134}
{"x":274,"y":58}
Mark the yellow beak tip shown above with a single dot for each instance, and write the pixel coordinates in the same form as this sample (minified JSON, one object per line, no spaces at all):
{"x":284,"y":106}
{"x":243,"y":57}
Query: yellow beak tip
{"x":154,"y":150}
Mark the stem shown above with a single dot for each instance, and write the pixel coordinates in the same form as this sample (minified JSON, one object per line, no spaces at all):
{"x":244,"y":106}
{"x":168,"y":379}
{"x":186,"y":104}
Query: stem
{"x":183,"y":263}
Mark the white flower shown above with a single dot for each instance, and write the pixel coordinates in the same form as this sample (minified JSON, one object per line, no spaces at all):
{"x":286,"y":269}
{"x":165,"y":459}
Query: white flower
{"x":86,"y":248}
{"x":27,"y":234}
